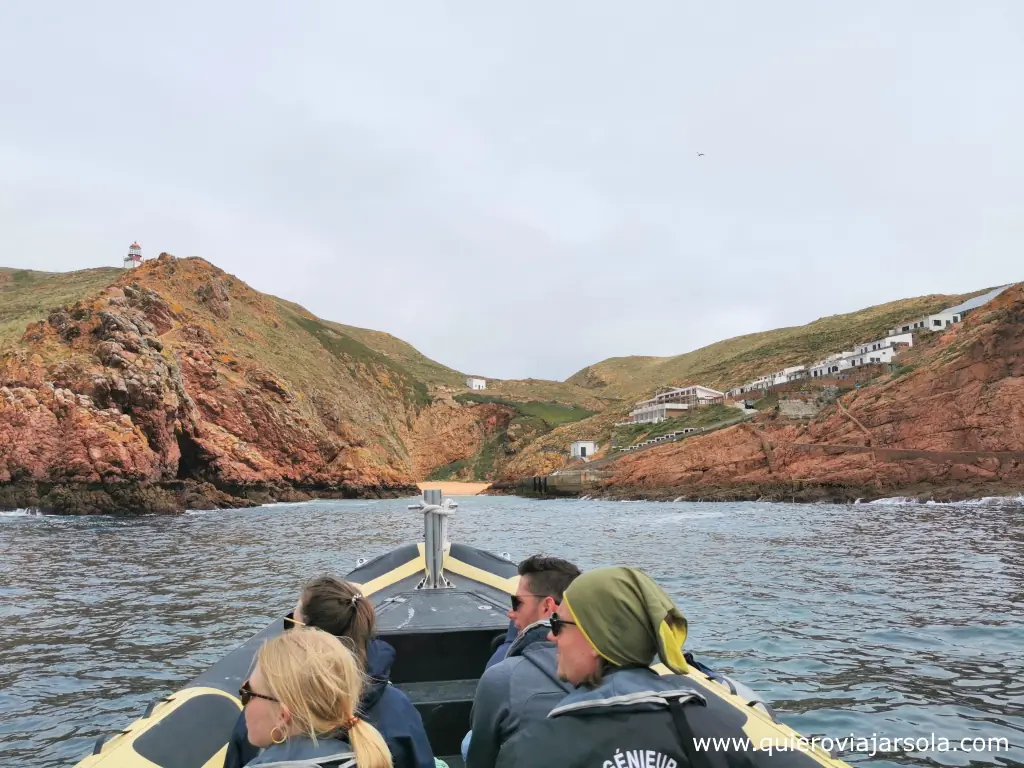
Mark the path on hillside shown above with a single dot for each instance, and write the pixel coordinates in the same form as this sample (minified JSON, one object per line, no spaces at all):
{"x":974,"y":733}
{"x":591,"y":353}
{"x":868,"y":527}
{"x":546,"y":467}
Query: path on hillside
{"x":597,"y":463}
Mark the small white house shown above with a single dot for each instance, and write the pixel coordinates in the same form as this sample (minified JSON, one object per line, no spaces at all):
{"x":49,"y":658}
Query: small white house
{"x":583,"y":449}
{"x":947,"y":317}
{"x":475,"y":383}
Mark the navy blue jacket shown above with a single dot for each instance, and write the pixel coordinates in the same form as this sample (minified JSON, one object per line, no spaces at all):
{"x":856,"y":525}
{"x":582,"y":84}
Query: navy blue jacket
{"x":502,"y":650}
{"x":383,"y":706}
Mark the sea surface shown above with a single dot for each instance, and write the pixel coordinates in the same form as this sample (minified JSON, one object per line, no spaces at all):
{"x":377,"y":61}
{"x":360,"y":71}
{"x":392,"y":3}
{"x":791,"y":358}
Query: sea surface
{"x":886,"y":619}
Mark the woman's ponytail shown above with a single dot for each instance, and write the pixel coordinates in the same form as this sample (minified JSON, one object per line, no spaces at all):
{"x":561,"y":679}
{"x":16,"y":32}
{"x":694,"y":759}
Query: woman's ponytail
{"x":318,"y":679}
{"x":370,"y":748}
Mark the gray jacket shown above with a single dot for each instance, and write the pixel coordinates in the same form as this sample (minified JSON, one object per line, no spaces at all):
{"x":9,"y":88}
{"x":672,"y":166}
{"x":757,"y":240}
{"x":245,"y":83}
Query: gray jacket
{"x":636,"y":717}
{"x":511,"y":694}
{"x":301,"y":752}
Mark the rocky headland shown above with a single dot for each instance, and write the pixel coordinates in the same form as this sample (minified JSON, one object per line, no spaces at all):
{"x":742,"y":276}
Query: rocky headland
{"x":946,"y":424}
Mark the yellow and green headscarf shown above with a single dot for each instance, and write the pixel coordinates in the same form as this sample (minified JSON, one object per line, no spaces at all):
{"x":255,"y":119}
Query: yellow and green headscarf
{"x":627,"y":618}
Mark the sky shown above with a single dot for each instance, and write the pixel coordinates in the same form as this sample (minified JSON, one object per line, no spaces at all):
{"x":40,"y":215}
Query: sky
{"x":518,"y":189}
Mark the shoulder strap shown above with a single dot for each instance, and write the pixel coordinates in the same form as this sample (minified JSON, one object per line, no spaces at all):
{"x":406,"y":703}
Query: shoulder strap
{"x":697,"y":759}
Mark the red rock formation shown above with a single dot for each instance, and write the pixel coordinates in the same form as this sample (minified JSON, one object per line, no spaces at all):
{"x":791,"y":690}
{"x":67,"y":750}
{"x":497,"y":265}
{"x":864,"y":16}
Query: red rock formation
{"x":953,"y":427}
{"x":150,"y":384}
{"x":448,"y":431}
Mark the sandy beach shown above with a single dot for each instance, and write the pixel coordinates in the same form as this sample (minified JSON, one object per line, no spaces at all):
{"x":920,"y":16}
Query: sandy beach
{"x":454,"y":489}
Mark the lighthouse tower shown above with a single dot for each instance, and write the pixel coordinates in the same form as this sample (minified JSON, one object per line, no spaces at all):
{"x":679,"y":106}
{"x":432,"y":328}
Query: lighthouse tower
{"x":134,"y":257}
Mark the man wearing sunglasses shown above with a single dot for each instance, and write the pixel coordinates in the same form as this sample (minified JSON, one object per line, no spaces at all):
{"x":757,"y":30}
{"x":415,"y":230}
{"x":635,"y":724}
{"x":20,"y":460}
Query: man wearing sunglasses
{"x":525,"y":686}
{"x":610,"y":625}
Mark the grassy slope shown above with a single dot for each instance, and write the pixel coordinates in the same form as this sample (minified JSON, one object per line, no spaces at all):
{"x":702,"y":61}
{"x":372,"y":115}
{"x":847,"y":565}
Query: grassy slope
{"x":404,"y":355}
{"x":27,"y":296}
{"x":431,"y":372}
{"x":541,"y":390}
{"x":552,"y":413}
{"x":734,"y":361}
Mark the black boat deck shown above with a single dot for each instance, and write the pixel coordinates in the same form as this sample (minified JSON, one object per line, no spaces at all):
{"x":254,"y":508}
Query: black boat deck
{"x":442,"y":637}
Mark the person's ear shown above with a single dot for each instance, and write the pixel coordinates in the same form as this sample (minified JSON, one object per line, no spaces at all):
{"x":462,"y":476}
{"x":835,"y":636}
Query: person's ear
{"x":285,"y":718}
{"x":549,"y":605}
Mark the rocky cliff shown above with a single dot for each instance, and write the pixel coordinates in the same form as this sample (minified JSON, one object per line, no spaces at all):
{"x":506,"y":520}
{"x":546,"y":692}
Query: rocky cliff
{"x":948,"y":424}
{"x":180,"y":385}
{"x":176,"y":385}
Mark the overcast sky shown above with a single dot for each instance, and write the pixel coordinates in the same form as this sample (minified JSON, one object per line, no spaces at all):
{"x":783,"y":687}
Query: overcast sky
{"x":515,"y":188}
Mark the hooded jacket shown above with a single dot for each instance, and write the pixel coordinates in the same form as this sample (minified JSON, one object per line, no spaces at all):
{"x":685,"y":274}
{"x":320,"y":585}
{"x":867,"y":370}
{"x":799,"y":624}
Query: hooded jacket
{"x":513,"y":693}
{"x":502,"y":650}
{"x":627,"y":720}
{"x":382,"y":705}
{"x":301,"y":752}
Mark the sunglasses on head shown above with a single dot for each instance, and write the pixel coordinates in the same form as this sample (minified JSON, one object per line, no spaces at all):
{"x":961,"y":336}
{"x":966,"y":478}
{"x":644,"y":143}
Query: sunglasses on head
{"x":290,"y":621}
{"x":558,"y":623}
{"x":247,"y":694}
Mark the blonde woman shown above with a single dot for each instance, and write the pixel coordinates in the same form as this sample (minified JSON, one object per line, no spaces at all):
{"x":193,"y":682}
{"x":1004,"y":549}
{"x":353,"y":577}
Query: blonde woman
{"x":300,"y":705}
{"x":338,"y":607}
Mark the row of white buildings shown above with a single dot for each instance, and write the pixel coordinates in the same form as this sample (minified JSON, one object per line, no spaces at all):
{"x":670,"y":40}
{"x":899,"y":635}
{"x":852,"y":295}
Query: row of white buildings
{"x":675,"y":402}
{"x":872,"y":353}
{"x":769,"y":380}
{"x":672,"y":403}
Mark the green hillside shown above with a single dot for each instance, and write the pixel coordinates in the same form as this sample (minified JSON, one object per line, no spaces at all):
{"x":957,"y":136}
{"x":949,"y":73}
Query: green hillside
{"x":728,"y":363}
{"x":27,"y":296}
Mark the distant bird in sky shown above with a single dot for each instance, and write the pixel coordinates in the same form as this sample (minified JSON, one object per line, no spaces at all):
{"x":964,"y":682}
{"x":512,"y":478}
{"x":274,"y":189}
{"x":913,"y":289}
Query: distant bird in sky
{"x":700,"y":154}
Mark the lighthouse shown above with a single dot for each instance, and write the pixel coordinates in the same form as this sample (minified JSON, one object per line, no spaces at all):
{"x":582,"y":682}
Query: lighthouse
{"x":134,"y":257}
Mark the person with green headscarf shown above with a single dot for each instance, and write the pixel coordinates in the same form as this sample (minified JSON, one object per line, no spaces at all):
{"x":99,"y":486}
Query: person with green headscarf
{"x":612,"y":624}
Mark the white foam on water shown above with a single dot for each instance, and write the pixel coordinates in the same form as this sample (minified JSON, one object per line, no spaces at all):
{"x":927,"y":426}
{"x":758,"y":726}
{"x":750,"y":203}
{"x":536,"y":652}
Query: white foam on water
{"x":891,"y":501}
{"x":986,"y":501}
{"x":29,"y":512}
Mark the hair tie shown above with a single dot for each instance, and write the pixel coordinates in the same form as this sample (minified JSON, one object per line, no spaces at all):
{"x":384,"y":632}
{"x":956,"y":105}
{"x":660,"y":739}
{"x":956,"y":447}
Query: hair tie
{"x":349,"y":724}
{"x":355,"y":599}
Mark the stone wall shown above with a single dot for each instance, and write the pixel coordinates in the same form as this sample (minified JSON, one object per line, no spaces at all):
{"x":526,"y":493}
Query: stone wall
{"x":798,"y":409}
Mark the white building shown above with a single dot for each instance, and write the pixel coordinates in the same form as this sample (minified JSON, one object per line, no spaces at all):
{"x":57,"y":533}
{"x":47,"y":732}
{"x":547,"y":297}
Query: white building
{"x":910,"y":327}
{"x":871,"y":353}
{"x":830,"y":366}
{"x":475,"y":383}
{"x":672,"y":403}
{"x":770,"y":380}
{"x":583,"y":449}
{"x":656,"y":413}
{"x":794,"y":372}
{"x":947,"y":317}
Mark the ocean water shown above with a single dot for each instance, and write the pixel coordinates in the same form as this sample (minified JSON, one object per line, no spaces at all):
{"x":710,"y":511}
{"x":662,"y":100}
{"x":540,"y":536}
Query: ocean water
{"x":892,"y":619}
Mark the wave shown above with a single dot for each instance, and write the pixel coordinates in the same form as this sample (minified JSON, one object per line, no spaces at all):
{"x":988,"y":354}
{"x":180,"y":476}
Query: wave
{"x":27,"y":512}
{"x":986,"y":501}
